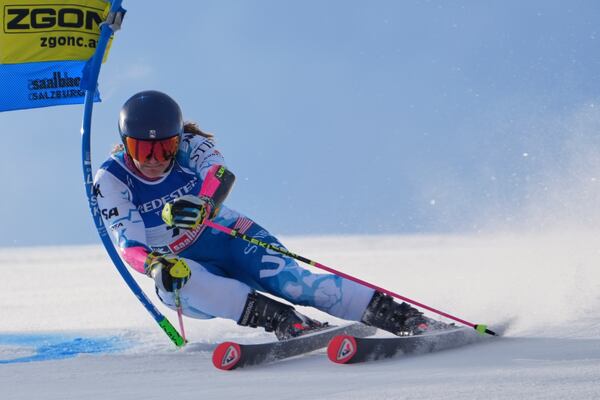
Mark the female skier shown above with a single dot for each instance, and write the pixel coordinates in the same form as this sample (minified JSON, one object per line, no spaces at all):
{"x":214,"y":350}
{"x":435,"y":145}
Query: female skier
{"x":156,"y":190}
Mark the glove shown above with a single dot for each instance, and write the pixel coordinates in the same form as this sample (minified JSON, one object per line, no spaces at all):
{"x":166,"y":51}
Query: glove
{"x":187,"y":212}
{"x":169,"y":272}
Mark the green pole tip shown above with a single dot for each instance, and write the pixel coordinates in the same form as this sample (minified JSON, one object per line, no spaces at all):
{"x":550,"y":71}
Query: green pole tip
{"x":481,"y":328}
{"x":172,"y":333}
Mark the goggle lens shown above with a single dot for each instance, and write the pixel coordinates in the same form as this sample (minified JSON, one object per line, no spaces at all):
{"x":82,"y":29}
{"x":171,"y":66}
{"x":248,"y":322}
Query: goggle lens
{"x":143,"y":150}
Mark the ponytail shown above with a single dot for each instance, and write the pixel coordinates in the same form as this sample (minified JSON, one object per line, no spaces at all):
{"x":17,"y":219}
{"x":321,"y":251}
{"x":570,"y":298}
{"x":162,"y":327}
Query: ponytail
{"x":193,"y":128}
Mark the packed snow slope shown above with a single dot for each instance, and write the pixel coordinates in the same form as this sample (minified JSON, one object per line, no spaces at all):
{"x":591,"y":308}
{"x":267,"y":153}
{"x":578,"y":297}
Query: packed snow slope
{"x":70,"y":328}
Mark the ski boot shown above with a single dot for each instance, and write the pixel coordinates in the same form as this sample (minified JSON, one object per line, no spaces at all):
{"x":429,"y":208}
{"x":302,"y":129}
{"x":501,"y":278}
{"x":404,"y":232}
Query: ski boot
{"x":398,"y":318}
{"x":282,"y":319}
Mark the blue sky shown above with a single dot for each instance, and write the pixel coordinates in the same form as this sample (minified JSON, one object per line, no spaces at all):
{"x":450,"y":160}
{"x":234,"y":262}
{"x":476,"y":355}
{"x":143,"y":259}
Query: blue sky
{"x":339,"y":116}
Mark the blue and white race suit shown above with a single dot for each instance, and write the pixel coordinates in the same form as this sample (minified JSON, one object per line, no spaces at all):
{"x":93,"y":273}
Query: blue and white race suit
{"x":224,"y":269}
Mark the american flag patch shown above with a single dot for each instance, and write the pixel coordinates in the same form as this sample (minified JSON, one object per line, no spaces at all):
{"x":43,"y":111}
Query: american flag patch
{"x":243,"y":224}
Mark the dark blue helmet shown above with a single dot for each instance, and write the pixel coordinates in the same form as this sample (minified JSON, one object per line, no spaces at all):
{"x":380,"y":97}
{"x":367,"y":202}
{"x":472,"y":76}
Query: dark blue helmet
{"x":150,"y":115}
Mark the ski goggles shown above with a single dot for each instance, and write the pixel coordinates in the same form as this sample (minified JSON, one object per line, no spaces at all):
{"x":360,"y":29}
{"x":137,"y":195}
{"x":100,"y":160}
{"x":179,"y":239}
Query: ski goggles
{"x":144,"y":150}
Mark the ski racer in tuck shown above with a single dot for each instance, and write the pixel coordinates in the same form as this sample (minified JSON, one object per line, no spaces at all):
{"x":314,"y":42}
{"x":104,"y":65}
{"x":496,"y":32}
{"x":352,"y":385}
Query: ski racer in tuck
{"x":154,"y":193}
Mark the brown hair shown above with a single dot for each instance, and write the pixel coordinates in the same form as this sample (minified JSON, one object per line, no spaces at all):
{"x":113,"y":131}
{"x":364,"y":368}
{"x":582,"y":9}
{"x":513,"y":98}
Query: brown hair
{"x":188,"y":127}
{"x":192,"y":127}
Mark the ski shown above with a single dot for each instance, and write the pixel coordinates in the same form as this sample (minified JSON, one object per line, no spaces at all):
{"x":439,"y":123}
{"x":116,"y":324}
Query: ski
{"x":349,"y":349}
{"x":232,"y":355}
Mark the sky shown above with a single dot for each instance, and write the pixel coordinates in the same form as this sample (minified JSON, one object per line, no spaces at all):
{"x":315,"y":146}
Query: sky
{"x":344,"y":117}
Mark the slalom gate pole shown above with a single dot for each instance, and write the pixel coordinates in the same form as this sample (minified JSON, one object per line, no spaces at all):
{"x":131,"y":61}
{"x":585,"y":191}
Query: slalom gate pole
{"x":90,"y":83}
{"x":482,"y":329}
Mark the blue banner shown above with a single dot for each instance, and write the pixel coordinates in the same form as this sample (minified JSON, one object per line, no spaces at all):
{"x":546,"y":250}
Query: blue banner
{"x":41,"y":84}
{"x":44,"y":45}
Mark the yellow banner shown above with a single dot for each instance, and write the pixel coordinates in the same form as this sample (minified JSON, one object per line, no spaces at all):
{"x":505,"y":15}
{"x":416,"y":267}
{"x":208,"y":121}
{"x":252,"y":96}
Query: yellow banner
{"x":50,"y":30}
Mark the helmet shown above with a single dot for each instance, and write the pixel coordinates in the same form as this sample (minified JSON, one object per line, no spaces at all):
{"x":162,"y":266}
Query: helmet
{"x":147,"y":118}
{"x":150,"y":115}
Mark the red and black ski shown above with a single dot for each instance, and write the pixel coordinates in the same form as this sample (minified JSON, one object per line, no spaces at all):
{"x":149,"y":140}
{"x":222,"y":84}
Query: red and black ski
{"x":231,"y":355}
{"x":349,"y":349}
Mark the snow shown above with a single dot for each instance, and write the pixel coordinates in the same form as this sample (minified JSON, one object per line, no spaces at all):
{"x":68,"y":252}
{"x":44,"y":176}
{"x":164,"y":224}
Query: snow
{"x":57,"y":301}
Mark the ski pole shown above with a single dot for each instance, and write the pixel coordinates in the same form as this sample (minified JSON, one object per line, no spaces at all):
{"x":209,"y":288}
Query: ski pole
{"x":180,"y":315}
{"x":481,"y":328}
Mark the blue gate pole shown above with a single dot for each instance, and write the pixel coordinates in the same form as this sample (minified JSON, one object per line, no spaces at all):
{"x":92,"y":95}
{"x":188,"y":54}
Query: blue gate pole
{"x":90,"y":84}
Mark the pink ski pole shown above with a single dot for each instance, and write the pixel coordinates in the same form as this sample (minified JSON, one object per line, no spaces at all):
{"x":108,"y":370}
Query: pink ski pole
{"x":478,"y":327}
{"x":180,"y":315}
